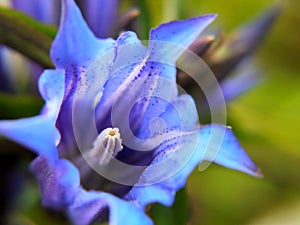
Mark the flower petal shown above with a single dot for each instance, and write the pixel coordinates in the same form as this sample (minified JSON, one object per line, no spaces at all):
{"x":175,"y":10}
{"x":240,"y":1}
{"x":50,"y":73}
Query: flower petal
{"x":249,"y":37}
{"x":230,"y":154}
{"x":89,"y":205}
{"x":165,"y":116}
{"x":39,"y":133}
{"x":90,"y":89}
{"x":88,"y":62}
{"x":59,"y":181}
{"x":36,"y":133}
{"x":144,"y":195}
{"x":129,"y":52}
{"x":169,"y":40}
{"x":51,"y":87}
{"x":172,"y":165}
{"x":129,"y":59}
{"x":235,"y":86}
{"x":243,"y":43}
{"x":174,"y":161}
{"x":181,"y":114}
{"x":75,"y":44}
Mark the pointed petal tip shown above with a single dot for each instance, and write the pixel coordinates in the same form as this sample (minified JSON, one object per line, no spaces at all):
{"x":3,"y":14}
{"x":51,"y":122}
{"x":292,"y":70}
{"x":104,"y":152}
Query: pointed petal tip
{"x":230,"y":153}
{"x":211,"y":16}
{"x":208,"y":17}
{"x":75,"y":43}
{"x":258,"y":173}
{"x":176,"y":36}
{"x":199,"y":21}
{"x":203,"y":19}
{"x":251,"y":169}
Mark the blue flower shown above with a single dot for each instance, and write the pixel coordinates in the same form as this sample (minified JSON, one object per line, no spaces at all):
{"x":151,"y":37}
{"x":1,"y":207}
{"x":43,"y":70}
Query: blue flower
{"x":114,"y":136}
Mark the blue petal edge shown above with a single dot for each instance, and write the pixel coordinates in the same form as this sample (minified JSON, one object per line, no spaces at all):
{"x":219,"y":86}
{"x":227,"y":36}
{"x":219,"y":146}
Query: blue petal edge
{"x":59,"y":181}
{"x":36,"y":133}
{"x":221,"y":147}
{"x":75,"y":44}
{"x":230,"y":153}
{"x":88,"y":205}
{"x":169,"y":40}
{"x":52,"y":87}
{"x":39,"y":133}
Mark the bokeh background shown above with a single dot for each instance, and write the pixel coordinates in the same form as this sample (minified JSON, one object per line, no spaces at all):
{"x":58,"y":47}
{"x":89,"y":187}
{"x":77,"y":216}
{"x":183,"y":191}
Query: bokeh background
{"x":265,"y":119}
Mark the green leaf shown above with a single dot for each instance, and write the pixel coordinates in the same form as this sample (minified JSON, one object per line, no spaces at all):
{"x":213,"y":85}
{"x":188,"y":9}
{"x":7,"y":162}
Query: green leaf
{"x":24,"y":34}
{"x":178,"y":214}
{"x":13,"y":107}
{"x":145,"y":18}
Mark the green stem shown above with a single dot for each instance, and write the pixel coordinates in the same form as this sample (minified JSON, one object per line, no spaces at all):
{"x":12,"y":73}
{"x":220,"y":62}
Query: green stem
{"x":27,"y":36}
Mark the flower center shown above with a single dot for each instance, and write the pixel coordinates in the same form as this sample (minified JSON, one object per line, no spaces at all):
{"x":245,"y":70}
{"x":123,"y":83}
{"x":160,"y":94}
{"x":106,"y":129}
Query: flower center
{"x":107,"y":145}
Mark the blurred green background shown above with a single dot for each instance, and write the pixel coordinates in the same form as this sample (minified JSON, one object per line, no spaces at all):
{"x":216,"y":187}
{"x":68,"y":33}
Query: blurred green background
{"x":265,"y":120}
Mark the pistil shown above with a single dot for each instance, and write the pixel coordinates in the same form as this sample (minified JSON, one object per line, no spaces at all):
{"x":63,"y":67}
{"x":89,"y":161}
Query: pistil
{"x":107,"y":145}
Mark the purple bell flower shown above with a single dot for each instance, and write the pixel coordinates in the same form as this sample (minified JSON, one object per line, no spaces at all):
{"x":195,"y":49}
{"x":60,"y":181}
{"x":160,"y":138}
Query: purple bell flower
{"x":114,"y":135}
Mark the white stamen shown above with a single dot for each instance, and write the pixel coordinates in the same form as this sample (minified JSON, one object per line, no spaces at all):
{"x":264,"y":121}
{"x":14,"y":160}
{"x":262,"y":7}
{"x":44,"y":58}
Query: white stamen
{"x":107,"y":145}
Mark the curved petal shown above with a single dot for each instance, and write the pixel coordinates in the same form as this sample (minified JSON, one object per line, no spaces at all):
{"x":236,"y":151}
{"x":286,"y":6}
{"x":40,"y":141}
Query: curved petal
{"x":36,"y":133}
{"x":144,"y":195}
{"x":88,"y":206}
{"x":175,"y":160}
{"x":251,"y":35}
{"x":51,"y":87}
{"x":233,"y":87}
{"x":230,"y":154}
{"x":121,"y":86}
{"x":85,"y":92}
{"x":129,"y":52}
{"x":167,"y":115}
{"x":75,"y":44}
{"x":151,"y":76}
{"x":39,"y":133}
{"x":181,"y":114}
{"x":169,"y":40}
{"x":59,"y":181}
{"x":214,"y":143}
